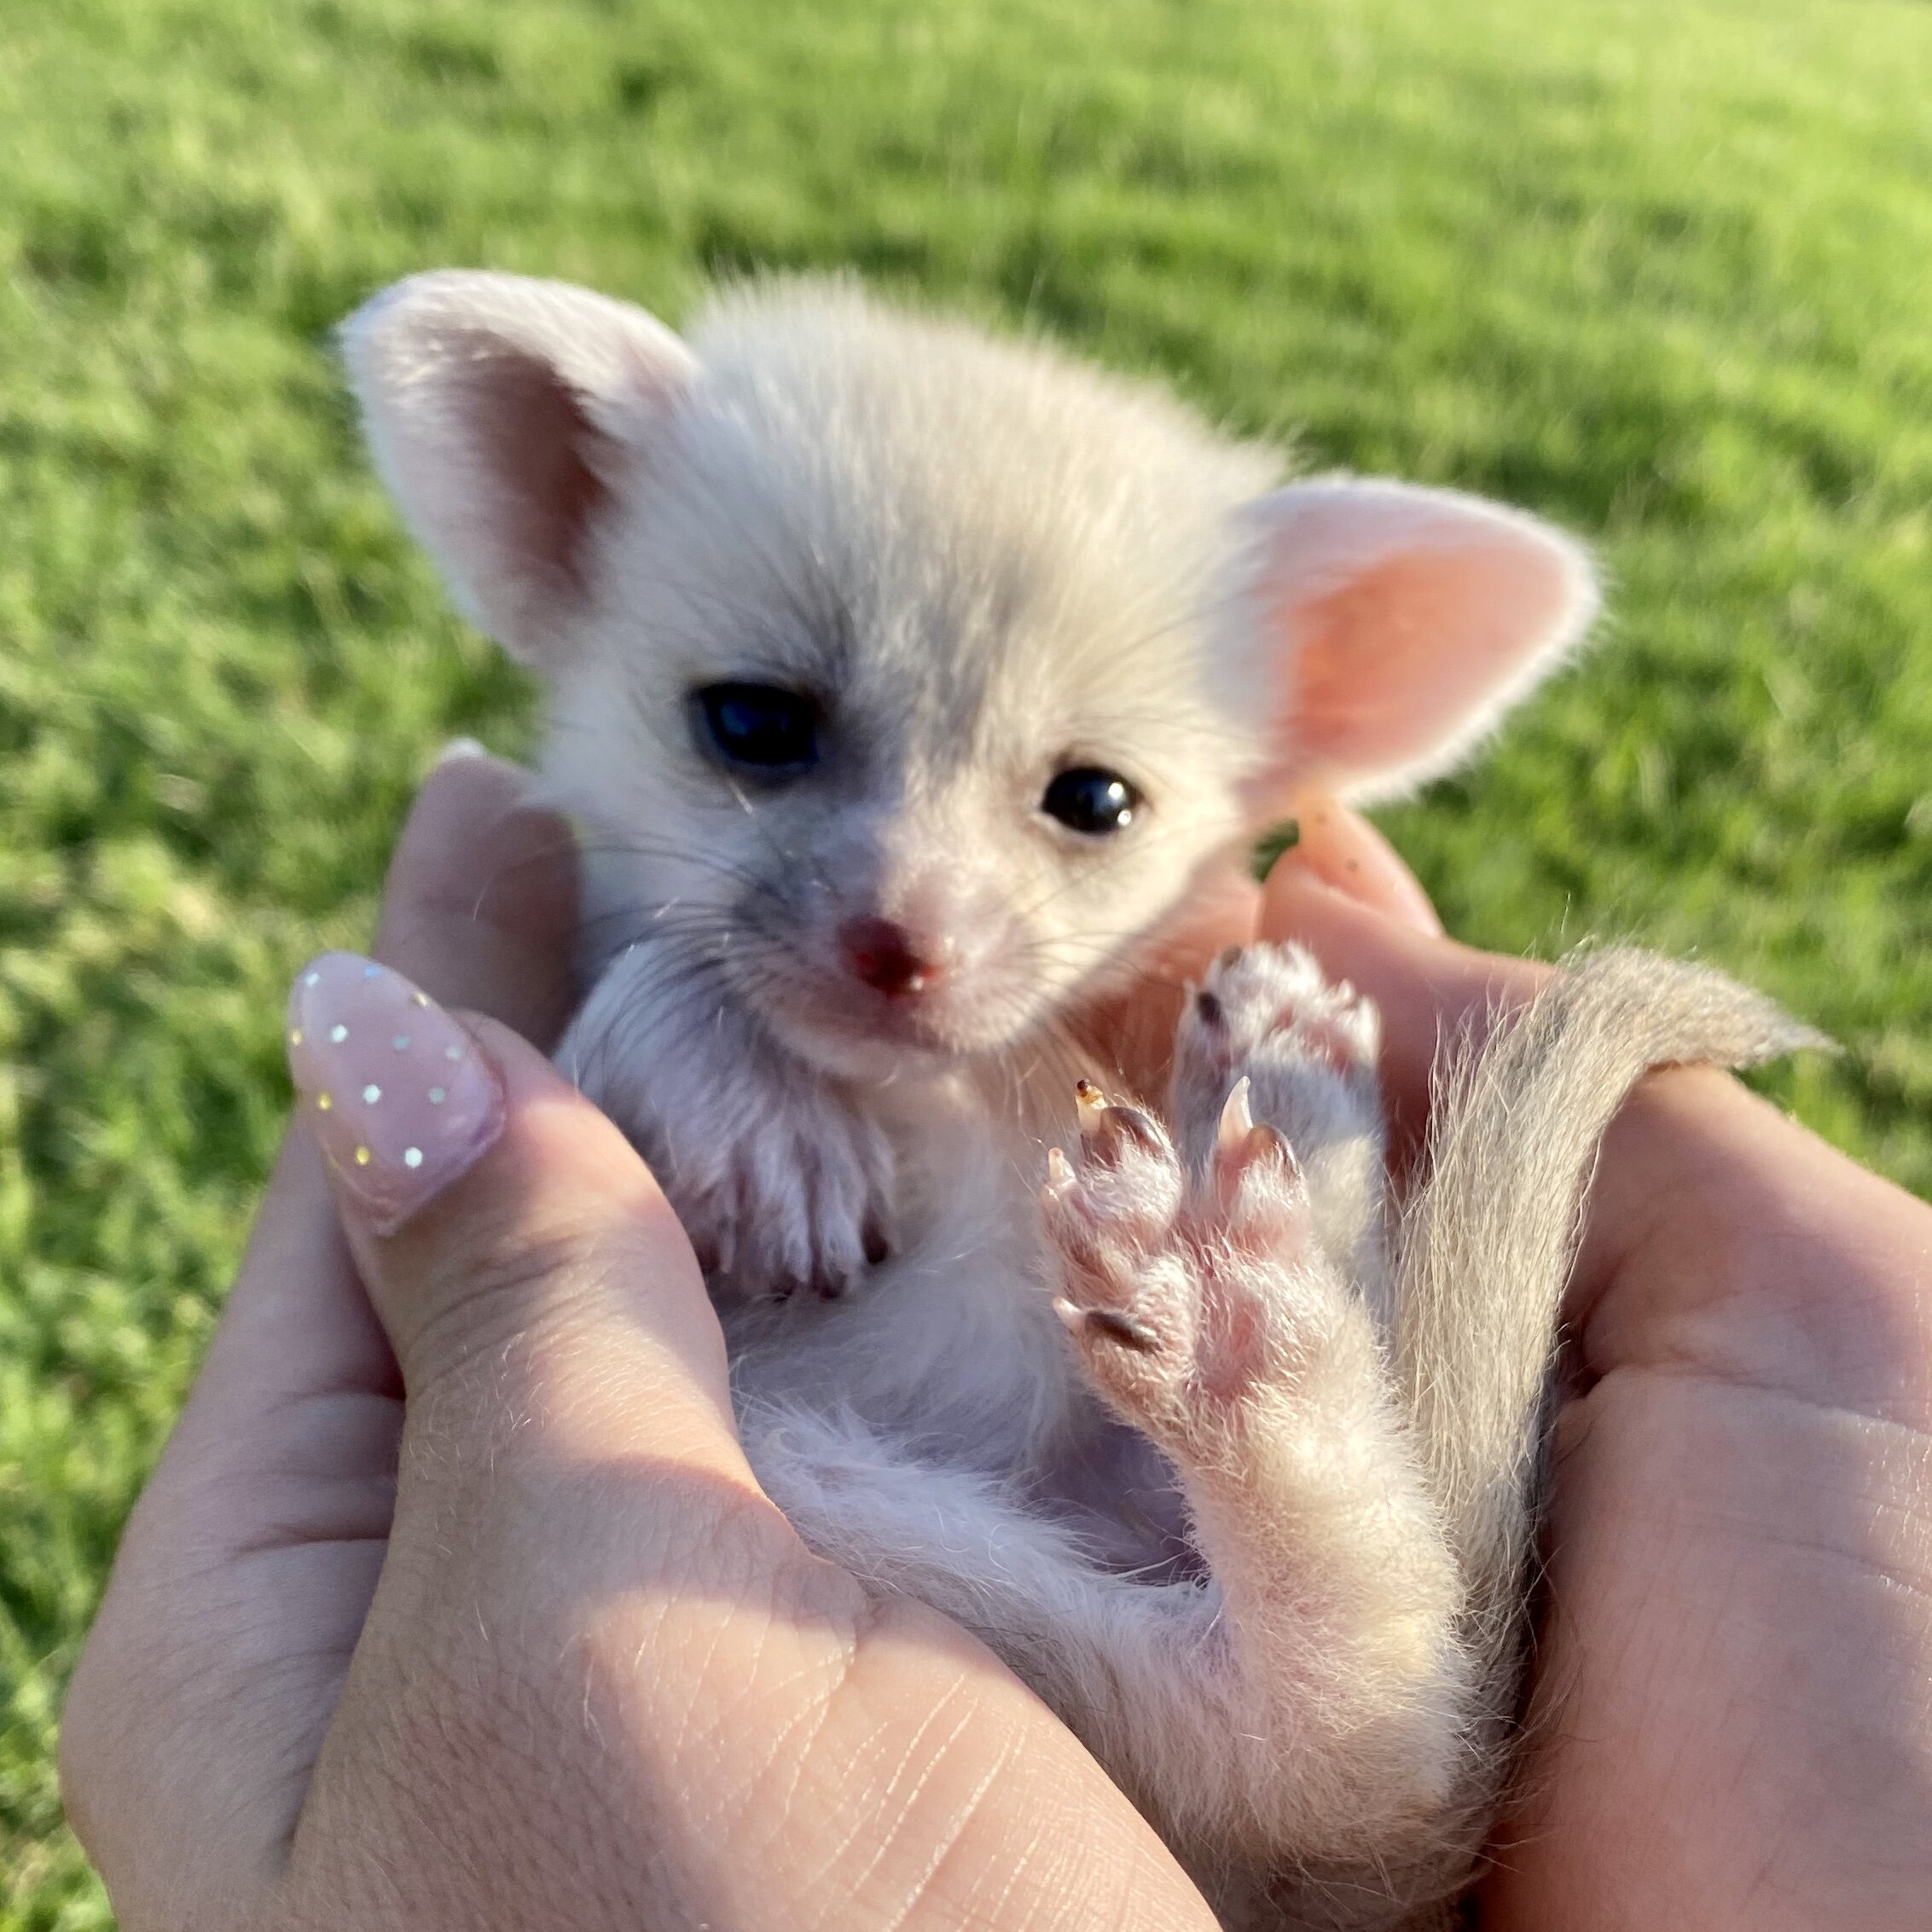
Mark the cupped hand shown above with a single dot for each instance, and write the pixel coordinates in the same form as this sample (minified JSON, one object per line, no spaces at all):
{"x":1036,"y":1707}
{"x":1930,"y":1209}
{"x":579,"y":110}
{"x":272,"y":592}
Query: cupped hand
{"x":453,"y":1602}
{"x":535,"y":1650}
{"x":1731,"y":1723}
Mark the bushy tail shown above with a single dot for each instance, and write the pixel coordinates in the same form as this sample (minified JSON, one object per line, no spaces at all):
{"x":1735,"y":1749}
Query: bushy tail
{"x":1486,"y":1243}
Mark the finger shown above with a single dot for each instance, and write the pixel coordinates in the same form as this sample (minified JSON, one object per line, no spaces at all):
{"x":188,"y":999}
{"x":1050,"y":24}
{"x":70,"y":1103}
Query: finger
{"x":480,"y":909}
{"x":480,"y":903}
{"x":242,"y":1578}
{"x":1342,"y":850}
{"x":541,"y":1279}
{"x":496,"y":1215}
{"x":246,"y":1569}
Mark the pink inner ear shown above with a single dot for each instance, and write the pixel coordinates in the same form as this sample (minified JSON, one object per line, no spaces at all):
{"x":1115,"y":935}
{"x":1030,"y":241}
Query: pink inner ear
{"x":532,"y":432}
{"x":1410,"y":652}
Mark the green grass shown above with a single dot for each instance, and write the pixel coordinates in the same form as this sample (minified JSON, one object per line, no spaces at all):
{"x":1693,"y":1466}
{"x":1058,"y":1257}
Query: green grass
{"x":1657,"y":269}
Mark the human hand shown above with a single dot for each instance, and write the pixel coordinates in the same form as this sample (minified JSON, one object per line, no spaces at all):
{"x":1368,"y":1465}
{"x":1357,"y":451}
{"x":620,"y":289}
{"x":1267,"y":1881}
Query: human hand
{"x":454,"y":1603}
{"x":570,"y":1464}
{"x":1732,"y":1719}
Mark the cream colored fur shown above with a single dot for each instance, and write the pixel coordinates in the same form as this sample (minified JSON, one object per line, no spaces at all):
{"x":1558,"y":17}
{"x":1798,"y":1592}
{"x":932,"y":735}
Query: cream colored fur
{"x":1231,"y":1457}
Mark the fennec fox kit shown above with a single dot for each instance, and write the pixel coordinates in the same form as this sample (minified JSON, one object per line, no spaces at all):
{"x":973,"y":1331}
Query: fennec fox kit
{"x":902,"y":681}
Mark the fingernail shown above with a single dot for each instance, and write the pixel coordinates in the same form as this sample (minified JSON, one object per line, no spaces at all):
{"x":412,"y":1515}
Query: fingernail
{"x":393,"y":1090}
{"x":462,"y":748}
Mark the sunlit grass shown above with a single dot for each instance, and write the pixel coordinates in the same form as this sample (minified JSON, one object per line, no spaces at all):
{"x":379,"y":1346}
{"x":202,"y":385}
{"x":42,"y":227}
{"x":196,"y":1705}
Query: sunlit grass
{"x":1658,"y":268}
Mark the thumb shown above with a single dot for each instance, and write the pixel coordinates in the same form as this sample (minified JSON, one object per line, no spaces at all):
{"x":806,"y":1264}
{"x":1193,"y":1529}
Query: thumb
{"x":500,"y":1221}
{"x":580,"y":1557}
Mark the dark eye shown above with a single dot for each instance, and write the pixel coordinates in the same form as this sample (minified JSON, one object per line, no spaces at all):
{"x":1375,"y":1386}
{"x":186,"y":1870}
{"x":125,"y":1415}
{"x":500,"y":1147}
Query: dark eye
{"x":759,"y":726}
{"x":1090,"y":800}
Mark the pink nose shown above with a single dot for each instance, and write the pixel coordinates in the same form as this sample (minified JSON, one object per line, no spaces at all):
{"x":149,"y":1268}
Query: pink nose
{"x":886,"y":957}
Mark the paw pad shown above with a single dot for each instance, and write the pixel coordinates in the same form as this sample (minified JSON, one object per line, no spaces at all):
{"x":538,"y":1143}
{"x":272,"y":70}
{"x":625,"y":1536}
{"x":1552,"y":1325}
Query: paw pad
{"x":1170,"y":1281}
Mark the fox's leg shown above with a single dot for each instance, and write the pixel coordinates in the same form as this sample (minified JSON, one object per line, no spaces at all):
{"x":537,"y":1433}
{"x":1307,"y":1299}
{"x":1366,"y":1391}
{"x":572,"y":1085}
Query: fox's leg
{"x":1151,"y":1676}
{"x":782,"y":1177}
{"x":1212,"y":1315}
{"x":1303,"y":1727}
{"x":1138,"y":1670}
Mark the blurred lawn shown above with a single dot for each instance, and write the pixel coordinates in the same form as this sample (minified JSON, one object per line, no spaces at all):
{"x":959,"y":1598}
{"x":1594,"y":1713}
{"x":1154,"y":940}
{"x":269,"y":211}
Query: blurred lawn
{"x":1658,"y":268}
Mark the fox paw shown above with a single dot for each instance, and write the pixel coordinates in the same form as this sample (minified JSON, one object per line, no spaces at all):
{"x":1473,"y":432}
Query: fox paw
{"x":1185,"y":1288}
{"x":794,"y":1200}
{"x":782,"y":1179}
{"x":1307,"y":1047}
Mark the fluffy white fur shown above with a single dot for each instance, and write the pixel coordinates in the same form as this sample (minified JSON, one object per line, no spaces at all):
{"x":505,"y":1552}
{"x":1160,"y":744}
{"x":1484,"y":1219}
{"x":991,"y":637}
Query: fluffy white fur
{"x":1229,"y":1456}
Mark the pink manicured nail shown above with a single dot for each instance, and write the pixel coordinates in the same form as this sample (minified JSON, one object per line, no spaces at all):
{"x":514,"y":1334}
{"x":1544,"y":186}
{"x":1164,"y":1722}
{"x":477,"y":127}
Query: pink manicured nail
{"x":392,"y":1088}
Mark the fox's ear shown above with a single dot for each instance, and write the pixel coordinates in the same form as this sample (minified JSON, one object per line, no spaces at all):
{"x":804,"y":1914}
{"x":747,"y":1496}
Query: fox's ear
{"x":502,"y":412}
{"x":1392,"y":626}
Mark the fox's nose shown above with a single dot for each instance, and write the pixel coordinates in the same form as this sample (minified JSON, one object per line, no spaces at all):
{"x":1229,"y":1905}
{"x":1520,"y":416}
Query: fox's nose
{"x":887,"y":957}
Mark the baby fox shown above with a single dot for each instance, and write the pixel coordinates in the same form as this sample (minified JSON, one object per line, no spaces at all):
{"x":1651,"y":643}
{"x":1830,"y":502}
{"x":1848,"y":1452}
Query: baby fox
{"x":903,"y":682}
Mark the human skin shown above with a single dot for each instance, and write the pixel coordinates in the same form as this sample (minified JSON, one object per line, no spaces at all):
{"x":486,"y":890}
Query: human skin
{"x":453,"y":1602}
{"x":1732,"y":1710}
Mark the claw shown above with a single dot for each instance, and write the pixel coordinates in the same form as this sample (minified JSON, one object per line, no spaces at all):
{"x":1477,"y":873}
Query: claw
{"x":1119,"y":1327}
{"x":1060,"y":1177}
{"x":1267,"y":1143}
{"x":1237,"y":1117}
{"x":1103,"y":1125}
{"x":1247,"y":1148}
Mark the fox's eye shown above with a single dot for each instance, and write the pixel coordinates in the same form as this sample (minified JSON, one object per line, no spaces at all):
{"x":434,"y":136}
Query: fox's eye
{"x":759,"y":727}
{"x":1090,"y":800}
